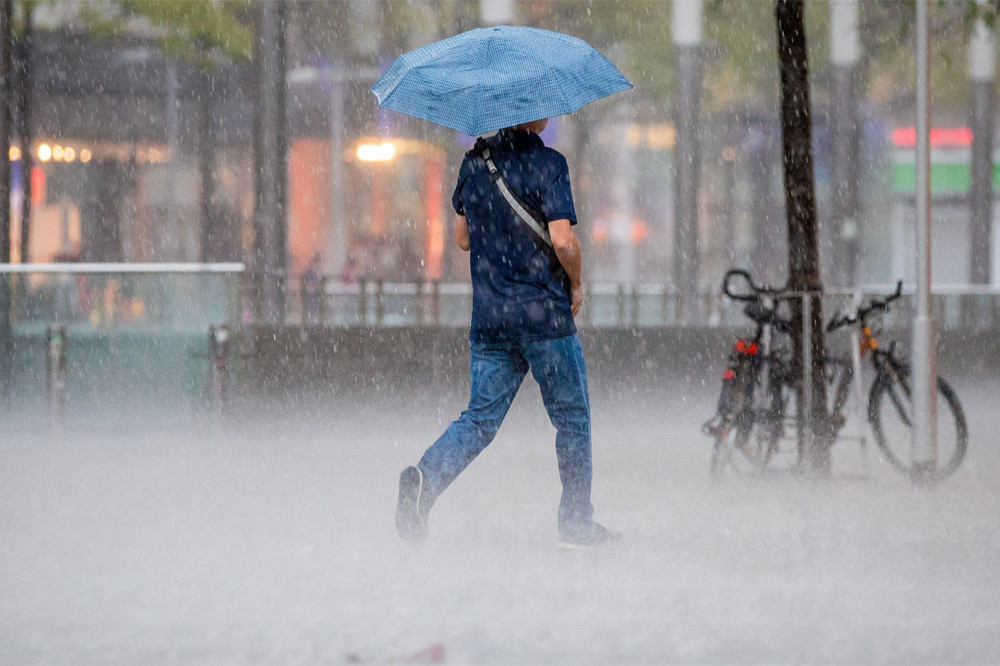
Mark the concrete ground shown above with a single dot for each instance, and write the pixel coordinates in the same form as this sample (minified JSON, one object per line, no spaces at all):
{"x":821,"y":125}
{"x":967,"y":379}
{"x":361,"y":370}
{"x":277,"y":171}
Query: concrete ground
{"x":272,"y":540}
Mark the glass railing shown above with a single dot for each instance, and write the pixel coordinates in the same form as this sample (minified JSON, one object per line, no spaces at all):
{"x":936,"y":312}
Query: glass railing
{"x":101,"y":297}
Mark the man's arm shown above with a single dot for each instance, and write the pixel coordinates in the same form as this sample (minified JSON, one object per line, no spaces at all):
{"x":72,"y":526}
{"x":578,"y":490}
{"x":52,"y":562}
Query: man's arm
{"x":567,"y":248}
{"x":462,"y":232}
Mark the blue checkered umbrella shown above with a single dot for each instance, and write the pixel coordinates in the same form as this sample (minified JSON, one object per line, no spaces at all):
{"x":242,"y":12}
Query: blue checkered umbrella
{"x":490,"y":78}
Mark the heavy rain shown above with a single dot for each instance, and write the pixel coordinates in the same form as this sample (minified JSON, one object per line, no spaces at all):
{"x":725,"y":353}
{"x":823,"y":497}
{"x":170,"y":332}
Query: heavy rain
{"x":238,"y":284}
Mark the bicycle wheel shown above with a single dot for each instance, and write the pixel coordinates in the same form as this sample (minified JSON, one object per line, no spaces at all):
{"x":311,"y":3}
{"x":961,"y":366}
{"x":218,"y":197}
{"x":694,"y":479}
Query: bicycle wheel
{"x":890,"y":412}
{"x":745,"y":445}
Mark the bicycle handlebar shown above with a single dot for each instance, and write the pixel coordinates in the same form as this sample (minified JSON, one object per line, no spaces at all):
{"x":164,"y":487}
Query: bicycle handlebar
{"x":758,"y":290}
{"x":861,"y":314}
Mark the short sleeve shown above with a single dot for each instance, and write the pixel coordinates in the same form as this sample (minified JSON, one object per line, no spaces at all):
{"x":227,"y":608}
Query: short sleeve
{"x":456,"y":197}
{"x":557,"y":204}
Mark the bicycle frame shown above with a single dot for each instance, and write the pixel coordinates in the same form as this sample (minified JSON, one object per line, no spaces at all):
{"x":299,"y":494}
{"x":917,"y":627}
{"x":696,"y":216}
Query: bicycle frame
{"x":883,"y":361}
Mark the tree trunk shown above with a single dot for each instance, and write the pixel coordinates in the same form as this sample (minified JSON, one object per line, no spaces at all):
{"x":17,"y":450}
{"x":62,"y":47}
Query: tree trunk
{"x":800,"y":211}
{"x":270,"y":149}
{"x":24,"y":130}
{"x":6,"y":69}
{"x":206,"y":170}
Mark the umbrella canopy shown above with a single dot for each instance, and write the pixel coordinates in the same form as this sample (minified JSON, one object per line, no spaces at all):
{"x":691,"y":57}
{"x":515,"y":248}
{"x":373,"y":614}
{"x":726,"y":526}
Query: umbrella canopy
{"x":490,"y":78}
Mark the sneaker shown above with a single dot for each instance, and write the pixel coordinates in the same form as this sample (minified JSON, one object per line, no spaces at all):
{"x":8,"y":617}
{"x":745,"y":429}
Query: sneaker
{"x":714,"y":427}
{"x":415,"y":501}
{"x":594,"y":536}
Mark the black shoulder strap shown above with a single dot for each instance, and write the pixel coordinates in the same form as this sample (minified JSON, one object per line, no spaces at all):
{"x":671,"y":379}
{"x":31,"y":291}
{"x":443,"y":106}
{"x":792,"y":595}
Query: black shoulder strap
{"x":523,"y":211}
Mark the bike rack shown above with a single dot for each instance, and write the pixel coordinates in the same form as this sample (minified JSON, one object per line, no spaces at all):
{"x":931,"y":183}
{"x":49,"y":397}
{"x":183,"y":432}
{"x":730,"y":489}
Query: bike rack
{"x":807,"y":440}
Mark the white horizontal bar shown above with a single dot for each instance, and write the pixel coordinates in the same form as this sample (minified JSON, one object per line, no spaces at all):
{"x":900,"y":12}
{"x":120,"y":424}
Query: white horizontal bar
{"x":70,"y":267}
{"x":642,"y":288}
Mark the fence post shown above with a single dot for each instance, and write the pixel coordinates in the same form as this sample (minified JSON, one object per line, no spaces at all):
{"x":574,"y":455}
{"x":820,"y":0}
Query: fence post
{"x":55,"y":377}
{"x":379,"y":305}
{"x":806,"y":436}
{"x":218,"y":342}
{"x":362,"y":301}
{"x":323,"y":296}
{"x":635,"y":306}
{"x":621,"y":304}
{"x":436,"y":302}
{"x":418,"y":312}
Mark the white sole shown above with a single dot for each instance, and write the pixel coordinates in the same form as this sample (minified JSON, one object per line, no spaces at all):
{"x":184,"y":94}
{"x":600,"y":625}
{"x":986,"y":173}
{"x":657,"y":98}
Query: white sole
{"x":581,"y":546}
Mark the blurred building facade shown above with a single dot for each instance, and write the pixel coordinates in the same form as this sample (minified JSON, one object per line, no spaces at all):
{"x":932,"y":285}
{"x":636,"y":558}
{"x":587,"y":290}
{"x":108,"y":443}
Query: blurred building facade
{"x":119,"y":132}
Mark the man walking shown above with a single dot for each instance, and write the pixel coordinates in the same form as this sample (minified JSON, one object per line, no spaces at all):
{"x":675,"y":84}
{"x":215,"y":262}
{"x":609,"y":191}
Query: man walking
{"x":515,"y":216}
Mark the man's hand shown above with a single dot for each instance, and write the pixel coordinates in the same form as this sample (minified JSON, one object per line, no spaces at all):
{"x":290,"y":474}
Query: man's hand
{"x":576,"y":298}
{"x":462,"y":232}
{"x":567,"y":249}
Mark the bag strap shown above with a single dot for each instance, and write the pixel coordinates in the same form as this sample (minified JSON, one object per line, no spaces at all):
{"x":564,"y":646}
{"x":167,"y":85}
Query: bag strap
{"x":522,"y":210}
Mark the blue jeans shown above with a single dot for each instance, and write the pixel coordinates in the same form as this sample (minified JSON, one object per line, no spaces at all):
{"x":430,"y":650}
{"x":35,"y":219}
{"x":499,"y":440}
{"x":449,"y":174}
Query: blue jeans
{"x":497,"y":372}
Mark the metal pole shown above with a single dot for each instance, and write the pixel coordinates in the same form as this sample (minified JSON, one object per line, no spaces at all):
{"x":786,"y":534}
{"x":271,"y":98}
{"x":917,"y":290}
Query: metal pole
{"x":218,"y":340}
{"x":55,"y":378}
{"x":337,"y":245}
{"x":982,"y":72}
{"x":173,"y":147}
{"x":924,"y":327}
{"x":845,"y":51}
{"x":362,"y":301}
{"x":806,"y":434}
{"x":496,"y":12}
{"x":687,"y":38}
{"x":622,"y":192}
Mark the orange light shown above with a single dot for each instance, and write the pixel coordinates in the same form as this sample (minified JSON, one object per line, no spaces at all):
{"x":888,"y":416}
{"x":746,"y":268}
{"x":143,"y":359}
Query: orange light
{"x":45,"y":152}
{"x":371,"y":152}
{"x":639,"y":231}
{"x":14,"y":153}
{"x":662,"y":137}
{"x":633,"y":135}
{"x":85,"y":155}
{"x":599,"y":234}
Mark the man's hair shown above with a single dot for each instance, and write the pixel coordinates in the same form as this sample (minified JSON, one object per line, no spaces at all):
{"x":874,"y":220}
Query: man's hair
{"x":527,"y":127}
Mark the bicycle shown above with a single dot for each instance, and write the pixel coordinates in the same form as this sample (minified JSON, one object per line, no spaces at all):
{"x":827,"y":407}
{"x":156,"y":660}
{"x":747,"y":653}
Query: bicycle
{"x":751,"y":432}
{"x":750,"y":415}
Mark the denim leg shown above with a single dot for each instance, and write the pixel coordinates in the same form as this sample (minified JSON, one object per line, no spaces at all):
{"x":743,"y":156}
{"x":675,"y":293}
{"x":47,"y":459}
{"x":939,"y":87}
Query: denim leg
{"x":558,"y":367}
{"x":496,"y":373}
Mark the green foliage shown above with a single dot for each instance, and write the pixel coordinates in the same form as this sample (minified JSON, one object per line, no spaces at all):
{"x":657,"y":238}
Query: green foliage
{"x":195,"y":30}
{"x":634,"y":34}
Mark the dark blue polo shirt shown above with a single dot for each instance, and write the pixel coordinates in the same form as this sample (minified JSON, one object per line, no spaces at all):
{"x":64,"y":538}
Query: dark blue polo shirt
{"x":519,"y":288}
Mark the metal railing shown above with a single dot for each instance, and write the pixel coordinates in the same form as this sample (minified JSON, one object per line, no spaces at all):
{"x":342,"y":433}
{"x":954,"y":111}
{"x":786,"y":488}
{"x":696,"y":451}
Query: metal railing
{"x":378,"y":303}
